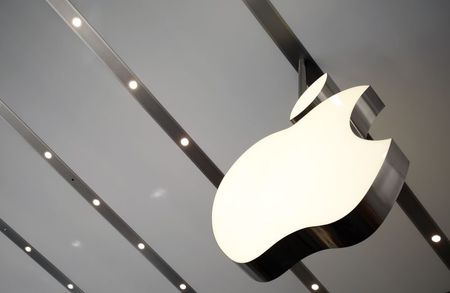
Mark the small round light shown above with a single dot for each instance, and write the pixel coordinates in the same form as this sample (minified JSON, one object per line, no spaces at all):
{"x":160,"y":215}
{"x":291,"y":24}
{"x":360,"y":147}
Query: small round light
{"x":315,"y":287}
{"x":435,"y":238}
{"x":27,"y":249}
{"x":133,"y":84}
{"x":70,"y":286}
{"x":48,"y":155}
{"x":184,"y":141}
{"x":141,"y":246}
{"x":96,"y":202}
{"x":183,"y":286}
{"x":76,"y":22}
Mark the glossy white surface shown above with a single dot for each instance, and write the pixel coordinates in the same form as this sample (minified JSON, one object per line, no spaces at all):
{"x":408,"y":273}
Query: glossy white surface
{"x":310,"y":174}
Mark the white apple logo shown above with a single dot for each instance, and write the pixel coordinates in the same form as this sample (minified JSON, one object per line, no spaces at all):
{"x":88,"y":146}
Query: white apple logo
{"x":312,"y":186}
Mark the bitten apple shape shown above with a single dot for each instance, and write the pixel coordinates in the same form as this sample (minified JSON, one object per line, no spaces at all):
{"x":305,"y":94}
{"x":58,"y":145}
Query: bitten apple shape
{"x":312,"y":186}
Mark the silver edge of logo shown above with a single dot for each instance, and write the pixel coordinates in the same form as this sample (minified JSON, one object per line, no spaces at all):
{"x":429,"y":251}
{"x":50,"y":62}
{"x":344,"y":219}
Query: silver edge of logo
{"x":355,"y":227}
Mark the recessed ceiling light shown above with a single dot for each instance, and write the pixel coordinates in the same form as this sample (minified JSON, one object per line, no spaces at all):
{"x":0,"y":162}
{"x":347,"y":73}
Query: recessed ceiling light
{"x":183,"y":286}
{"x":76,"y":22}
{"x":184,"y":141}
{"x":435,"y":238}
{"x":70,"y":286}
{"x":315,"y":287}
{"x":96,"y":202}
{"x":27,"y":249}
{"x":141,"y":246}
{"x":48,"y":155}
{"x":133,"y":84}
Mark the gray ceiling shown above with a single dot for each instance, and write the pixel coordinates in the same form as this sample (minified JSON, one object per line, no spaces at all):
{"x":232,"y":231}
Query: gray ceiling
{"x":219,"y":74}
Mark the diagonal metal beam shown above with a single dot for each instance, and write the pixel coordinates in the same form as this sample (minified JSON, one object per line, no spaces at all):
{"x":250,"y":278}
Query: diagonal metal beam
{"x":417,"y":213}
{"x":93,"y":198}
{"x":289,"y":44}
{"x":308,"y":278}
{"x":283,"y":36}
{"x":143,"y":95}
{"x":41,"y":260}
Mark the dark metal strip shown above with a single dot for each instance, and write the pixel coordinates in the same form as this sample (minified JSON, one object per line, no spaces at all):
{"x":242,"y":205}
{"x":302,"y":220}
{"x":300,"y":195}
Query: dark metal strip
{"x":308,"y":278}
{"x":149,"y":102}
{"x":416,"y":212}
{"x":285,"y":39}
{"x":302,"y":85}
{"x":142,"y":94}
{"x":39,"y":258}
{"x":88,"y":194}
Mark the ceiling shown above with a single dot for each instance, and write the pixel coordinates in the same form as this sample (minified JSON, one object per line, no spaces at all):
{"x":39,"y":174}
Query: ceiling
{"x":219,"y":74}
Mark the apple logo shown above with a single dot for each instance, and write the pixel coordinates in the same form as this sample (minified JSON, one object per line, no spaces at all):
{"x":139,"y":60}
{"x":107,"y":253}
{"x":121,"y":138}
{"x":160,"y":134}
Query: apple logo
{"x":313,"y":186}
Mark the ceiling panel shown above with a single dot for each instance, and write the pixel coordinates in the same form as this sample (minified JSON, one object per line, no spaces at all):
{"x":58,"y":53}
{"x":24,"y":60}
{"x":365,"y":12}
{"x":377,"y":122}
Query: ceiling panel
{"x":207,"y":62}
{"x":82,"y":112}
{"x":35,"y":200}
{"x":57,"y":222}
{"x":215,"y":69}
